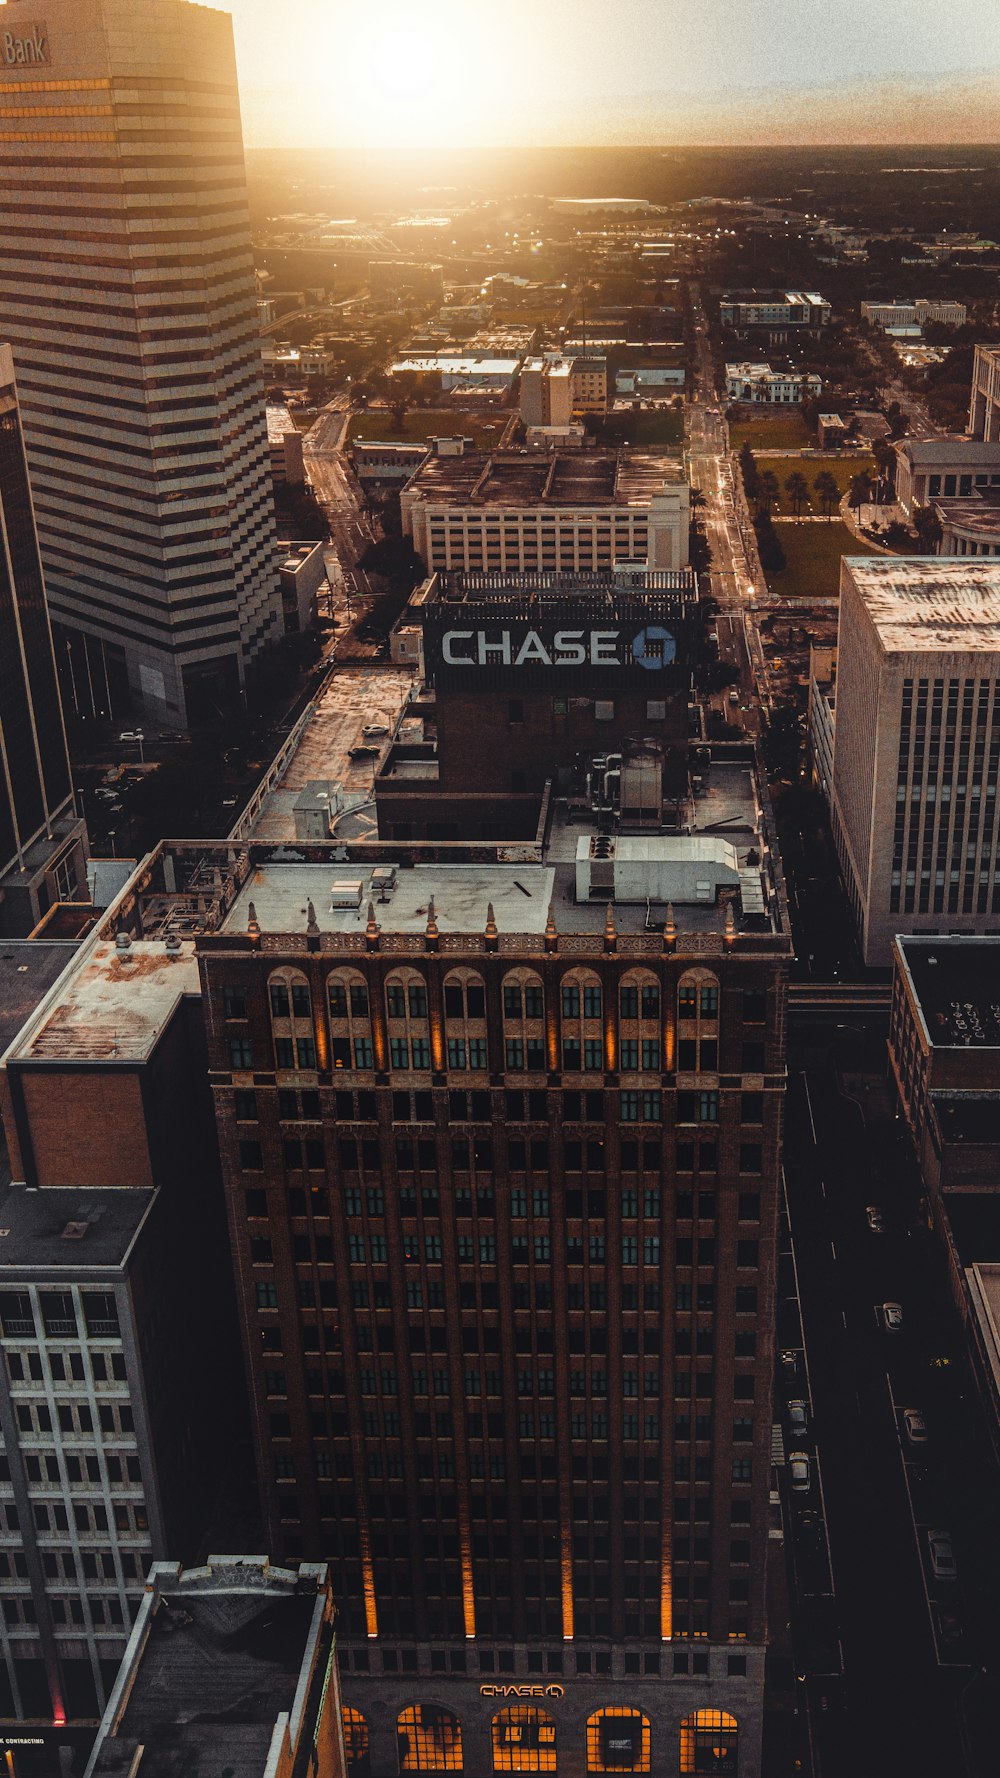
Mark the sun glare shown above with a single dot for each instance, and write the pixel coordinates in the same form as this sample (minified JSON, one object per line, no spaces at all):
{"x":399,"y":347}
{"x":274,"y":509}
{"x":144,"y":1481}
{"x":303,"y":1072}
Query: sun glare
{"x":400,"y":84}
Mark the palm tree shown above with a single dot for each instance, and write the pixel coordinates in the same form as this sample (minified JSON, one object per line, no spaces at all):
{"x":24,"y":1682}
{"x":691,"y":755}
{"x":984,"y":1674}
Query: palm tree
{"x":695,"y":498}
{"x":768,"y":489}
{"x":927,"y":525}
{"x":828,"y":489}
{"x":797,"y":489}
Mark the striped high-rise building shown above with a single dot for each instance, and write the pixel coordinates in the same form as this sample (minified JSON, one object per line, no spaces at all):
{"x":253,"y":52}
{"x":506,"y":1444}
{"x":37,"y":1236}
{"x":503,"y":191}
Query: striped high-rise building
{"x":127,"y":293}
{"x":41,"y":839}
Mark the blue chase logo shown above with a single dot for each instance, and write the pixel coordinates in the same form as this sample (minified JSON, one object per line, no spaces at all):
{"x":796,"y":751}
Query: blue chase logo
{"x":654,"y":647}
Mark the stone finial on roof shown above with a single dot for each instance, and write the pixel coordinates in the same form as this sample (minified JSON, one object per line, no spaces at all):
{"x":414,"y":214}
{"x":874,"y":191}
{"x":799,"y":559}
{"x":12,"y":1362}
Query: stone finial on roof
{"x":670,"y":928}
{"x":551,"y":936}
{"x":371,"y":929}
{"x":312,"y":926}
{"x":492,"y":934}
{"x":253,"y":925}
{"x":431,"y":933}
{"x":730,"y":934}
{"x":610,"y":929}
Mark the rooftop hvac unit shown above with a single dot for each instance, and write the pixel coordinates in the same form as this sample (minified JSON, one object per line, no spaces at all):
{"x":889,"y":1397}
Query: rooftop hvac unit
{"x":383,"y":880}
{"x":346,"y":893}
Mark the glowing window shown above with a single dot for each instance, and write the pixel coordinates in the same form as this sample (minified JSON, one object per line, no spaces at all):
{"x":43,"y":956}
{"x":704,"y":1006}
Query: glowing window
{"x":709,"y":1742}
{"x":618,"y":1740}
{"x":429,"y":1739}
{"x":524,"y":1740}
{"x":355,"y":1741}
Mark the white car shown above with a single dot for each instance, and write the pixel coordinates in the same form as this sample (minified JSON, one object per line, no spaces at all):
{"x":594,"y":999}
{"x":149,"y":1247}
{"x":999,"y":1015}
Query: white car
{"x":892,"y":1317}
{"x":943,"y":1564}
{"x":798,"y":1418}
{"x":800,"y":1470}
{"x":915,"y":1426}
{"x":875,"y":1221}
{"x":131,"y":734}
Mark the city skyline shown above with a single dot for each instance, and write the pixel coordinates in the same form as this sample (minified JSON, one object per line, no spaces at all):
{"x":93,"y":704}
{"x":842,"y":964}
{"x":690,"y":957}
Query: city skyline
{"x":646,"y":73}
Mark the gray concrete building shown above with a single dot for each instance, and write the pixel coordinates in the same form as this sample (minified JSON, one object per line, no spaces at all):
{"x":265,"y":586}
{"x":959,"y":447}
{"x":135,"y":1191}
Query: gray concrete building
{"x":917,"y":746}
{"x":127,"y":293}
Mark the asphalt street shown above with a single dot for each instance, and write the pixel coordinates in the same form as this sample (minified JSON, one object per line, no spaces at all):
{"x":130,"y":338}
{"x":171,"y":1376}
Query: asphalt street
{"x":911,"y":1643}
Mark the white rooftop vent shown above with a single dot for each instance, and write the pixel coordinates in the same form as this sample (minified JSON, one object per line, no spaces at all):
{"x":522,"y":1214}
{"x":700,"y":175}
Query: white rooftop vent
{"x":74,"y":1231}
{"x":346,"y":892}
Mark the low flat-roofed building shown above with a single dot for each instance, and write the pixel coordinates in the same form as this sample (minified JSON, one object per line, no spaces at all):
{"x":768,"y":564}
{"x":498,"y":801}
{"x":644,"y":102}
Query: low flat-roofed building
{"x":447,"y":372}
{"x":899,"y":314}
{"x":792,"y":309}
{"x":971,"y":526}
{"x":918,"y":655}
{"x":944,"y":1053}
{"x":650,"y":379}
{"x":378,"y":464}
{"x":930,"y":468}
{"x":831,"y":431}
{"x":284,"y":441}
{"x":302,"y":574}
{"x":759,"y":383}
{"x":231,"y":1666}
{"x":568,"y":512}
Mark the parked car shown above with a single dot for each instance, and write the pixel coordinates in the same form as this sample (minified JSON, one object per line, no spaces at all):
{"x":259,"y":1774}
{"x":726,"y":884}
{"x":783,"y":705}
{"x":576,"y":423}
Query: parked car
{"x":942,"y":1554}
{"x":131,"y":734}
{"x":800,"y":1471}
{"x":789,"y":1364}
{"x":892,"y":1317}
{"x":798,"y":1419}
{"x":915,"y":1426}
{"x":362,"y":752}
{"x":374,"y":731}
{"x":947,"y":1627}
{"x":875,"y":1222}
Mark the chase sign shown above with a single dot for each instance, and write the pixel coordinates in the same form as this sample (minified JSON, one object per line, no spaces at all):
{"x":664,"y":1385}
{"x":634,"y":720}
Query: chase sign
{"x":652,"y":648}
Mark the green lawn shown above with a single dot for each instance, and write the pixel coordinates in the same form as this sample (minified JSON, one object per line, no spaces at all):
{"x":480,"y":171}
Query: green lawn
{"x":813,"y":565}
{"x":423,"y":422}
{"x":650,"y":428}
{"x":843,"y":470}
{"x":784,"y":430}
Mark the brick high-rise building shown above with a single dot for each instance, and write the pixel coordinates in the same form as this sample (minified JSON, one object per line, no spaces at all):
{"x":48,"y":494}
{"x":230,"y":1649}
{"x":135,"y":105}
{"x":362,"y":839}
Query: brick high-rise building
{"x":501,"y":1159}
{"x":127,"y":292}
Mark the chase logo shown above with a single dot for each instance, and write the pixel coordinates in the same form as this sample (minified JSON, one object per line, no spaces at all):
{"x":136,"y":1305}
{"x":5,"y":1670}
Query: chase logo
{"x":654,"y":648}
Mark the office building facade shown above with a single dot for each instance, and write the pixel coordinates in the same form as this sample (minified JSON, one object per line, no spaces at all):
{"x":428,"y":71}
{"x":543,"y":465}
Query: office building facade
{"x":42,"y":856}
{"x":501,"y":1164}
{"x":917,"y":746}
{"x":568,"y":512}
{"x":984,"y":401}
{"x":127,"y":292}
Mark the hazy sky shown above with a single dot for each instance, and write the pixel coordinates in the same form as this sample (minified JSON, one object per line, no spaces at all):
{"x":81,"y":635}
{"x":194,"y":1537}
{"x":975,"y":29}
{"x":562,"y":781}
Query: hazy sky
{"x":388,"y":72}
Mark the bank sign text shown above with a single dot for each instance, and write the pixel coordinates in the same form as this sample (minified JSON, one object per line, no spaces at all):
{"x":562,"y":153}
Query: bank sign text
{"x":653,"y":648}
{"x":25,"y":48}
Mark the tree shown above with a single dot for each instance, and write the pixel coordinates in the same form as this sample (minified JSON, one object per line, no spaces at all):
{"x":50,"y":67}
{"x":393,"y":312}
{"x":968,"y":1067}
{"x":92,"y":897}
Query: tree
{"x":720,"y":675}
{"x":927,"y":525}
{"x":897,"y":537}
{"x":695,"y":499}
{"x":748,"y":470}
{"x":768,"y":489}
{"x":828,"y":491}
{"x":860,"y":492}
{"x":772,"y":556}
{"x":797,"y":489}
{"x":393,"y":559}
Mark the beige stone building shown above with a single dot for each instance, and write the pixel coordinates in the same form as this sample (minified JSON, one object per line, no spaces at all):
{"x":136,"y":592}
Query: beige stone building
{"x":984,"y":406}
{"x":917,"y":746}
{"x":569,"y":512}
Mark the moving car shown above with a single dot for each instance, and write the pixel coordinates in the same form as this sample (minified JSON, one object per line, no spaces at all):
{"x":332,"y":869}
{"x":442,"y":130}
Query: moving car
{"x":131,"y":734}
{"x":942,"y":1554}
{"x":915,"y":1426}
{"x":800,"y":1471}
{"x":798,"y":1418}
{"x":875,"y":1222}
{"x":892,"y":1317}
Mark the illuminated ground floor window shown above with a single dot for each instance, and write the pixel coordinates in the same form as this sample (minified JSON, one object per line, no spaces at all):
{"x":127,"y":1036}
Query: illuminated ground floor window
{"x":618,"y":1740}
{"x":429,"y":1739}
{"x":524,"y":1740}
{"x":355,"y":1741}
{"x":709,"y":1742}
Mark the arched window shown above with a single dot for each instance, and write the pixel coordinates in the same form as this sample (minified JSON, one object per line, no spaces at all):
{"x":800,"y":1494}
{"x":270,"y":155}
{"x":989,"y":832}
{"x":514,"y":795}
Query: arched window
{"x":429,"y":1739}
{"x":524,"y":1740}
{"x":698,"y":1022}
{"x":407,"y":1016}
{"x":581,"y":1011}
{"x":618,"y":1740}
{"x":355,"y":1741}
{"x":465,"y":1020}
{"x":709,"y":1743}
{"x":291,"y":1019}
{"x":350,"y":1019}
{"x":523,"y":1022}
{"x":639,"y":1045}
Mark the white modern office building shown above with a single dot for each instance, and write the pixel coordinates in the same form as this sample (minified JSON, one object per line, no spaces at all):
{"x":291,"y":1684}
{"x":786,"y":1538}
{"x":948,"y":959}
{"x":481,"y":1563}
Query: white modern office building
{"x":916,"y":750}
{"x":127,"y":293}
